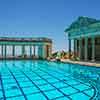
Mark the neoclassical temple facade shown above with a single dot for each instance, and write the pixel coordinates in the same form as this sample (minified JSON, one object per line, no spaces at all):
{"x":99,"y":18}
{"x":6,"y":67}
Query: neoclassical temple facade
{"x":85,"y":32}
{"x":40,"y":48}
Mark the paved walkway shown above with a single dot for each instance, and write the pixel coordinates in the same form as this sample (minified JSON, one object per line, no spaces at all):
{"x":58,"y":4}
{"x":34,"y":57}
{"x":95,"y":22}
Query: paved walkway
{"x":96,"y":64}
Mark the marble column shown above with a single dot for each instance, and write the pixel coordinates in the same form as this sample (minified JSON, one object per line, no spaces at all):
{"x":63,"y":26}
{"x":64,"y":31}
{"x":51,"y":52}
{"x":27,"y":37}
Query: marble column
{"x":30,"y":51}
{"x":80,"y":49}
{"x":42,"y":51}
{"x":93,"y":49}
{"x":5,"y":51}
{"x":69,"y":48}
{"x":50,"y":51}
{"x":86,"y":49}
{"x":45,"y":51}
{"x":23,"y":50}
{"x":46,"y":48}
{"x":2,"y":50}
{"x":13,"y":50}
{"x":34,"y":47}
{"x":75,"y":48}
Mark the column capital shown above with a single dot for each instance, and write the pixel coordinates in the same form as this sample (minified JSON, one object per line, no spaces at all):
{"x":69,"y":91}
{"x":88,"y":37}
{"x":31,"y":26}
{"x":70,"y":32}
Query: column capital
{"x":79,"y":38}
{"x":92,"y":36}
{"x":75,"y":39}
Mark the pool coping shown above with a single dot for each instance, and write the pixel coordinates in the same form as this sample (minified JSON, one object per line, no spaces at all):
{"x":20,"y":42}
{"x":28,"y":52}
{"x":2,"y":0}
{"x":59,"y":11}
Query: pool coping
{"x":93,"y":64}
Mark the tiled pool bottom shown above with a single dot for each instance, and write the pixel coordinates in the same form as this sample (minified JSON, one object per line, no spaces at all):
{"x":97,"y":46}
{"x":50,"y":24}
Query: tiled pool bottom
{"x":41,"y":80}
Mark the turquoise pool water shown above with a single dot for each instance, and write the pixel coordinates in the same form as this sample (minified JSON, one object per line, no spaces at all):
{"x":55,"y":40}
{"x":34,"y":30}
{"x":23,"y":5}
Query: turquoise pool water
{"x":42,"y":80}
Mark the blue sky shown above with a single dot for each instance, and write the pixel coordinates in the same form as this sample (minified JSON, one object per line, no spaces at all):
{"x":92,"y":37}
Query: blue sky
{"x":45,"y":18}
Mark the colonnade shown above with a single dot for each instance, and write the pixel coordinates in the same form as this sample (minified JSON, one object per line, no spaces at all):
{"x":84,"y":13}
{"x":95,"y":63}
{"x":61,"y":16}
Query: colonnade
{"x":43,"y":51}
{"x":82,"y":49}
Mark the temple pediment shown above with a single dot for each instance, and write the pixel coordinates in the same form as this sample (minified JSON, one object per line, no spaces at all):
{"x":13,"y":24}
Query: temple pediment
{"x":82,"y":23}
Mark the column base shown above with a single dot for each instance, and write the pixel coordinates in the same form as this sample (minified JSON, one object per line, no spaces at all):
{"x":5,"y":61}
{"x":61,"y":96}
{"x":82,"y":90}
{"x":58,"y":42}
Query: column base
{"x":85,"y":59}
{"x":93,"y":60}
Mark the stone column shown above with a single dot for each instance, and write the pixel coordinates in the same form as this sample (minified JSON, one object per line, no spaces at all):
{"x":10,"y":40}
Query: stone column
{"x":34,"y":50}
{"x":50,"y":50}
{"x":86,"y":49}
{"x":75,"y":48}
{"x":69,"y":48}
{"x":80,"y":49}
{"x":39,"y":51}
{"x":5,"y":50}
{"x":23,"y":50}
{"x":2,"y":50}
{"x":93,"y":49}
{"x":42,"y":51}
{"x":13,"y":50}
{"x":30,"y":51}
{"x":46,"y":52}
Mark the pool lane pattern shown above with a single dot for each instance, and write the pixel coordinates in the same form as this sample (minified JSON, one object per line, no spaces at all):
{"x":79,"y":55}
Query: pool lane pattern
{"x":30,"y":81}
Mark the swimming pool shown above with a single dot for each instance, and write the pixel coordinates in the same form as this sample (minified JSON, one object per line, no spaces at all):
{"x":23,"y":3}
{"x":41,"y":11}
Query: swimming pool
{"x":43,"y":80}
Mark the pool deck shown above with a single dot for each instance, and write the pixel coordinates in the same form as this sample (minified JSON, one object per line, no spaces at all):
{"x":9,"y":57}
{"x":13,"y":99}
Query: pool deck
{"x":95,"y":64}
